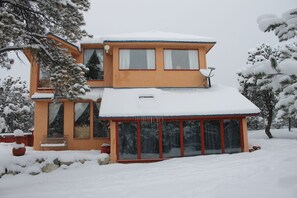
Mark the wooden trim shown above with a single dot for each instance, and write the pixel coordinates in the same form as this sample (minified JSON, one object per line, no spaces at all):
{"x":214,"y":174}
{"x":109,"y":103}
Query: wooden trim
{"x":181,"y":133}
{"x":241,"y":136}
{"x":178,"y":118}
{"x":202,"y":137}
{"x":140,"y":160}
{"x":117,"y":140}
{"x":138,"y":140}
{"x":159,"y":123}
{"x":222,"y":135}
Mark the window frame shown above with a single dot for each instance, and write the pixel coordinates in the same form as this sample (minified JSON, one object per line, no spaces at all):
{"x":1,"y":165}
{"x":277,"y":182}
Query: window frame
{"x":90,"y":125}
{"x":140,"y":69}
{"x":103,"y":54}
{"x":182,"y":69}
{"x":48,"y":120}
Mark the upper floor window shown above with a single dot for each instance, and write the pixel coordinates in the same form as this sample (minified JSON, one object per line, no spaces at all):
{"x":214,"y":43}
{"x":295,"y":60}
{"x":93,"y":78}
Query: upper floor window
{"x":44,"y":78}
{"x":181,"y":59}
{"x":93,"y":59}
{"x":137,"y":59}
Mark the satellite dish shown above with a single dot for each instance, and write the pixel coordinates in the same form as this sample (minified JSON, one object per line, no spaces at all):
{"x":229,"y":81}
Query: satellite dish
{"x":208,"y":73}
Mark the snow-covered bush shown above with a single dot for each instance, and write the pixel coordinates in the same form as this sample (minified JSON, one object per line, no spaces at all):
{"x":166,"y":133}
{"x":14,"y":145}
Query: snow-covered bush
{"x":16,"y":107}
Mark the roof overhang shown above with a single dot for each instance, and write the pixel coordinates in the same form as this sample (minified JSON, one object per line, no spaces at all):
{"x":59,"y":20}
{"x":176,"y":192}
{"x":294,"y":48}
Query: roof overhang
{"x":154,"y":103}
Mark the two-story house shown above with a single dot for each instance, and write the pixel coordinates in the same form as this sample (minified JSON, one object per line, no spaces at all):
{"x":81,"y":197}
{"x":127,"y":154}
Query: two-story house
{"x":148,"y":100}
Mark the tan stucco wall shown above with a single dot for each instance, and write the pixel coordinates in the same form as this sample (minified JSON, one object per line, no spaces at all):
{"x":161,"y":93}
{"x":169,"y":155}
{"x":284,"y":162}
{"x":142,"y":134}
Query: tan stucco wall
{"x":245,"y":135}
{"x":41,"y":127}
{"x":158,"y":77}
{"x":113,"y":145}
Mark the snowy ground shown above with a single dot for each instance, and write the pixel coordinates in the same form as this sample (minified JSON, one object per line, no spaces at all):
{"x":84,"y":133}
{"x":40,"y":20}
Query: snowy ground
{"x":269,"y":172}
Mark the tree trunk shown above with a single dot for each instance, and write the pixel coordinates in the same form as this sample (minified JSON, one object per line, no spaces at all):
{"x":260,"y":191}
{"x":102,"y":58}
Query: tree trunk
{"x":269,"y":122}
{"x":290,"y":124}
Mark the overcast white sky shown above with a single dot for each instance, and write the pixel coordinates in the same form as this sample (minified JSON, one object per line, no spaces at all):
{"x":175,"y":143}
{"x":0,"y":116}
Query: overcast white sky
{"x":232,"y":23}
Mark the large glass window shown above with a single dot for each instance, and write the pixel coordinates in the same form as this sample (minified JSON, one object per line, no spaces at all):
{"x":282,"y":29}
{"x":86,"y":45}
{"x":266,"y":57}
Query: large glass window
{"x":192,"y":141}
{"x":137,"y":59}
{"x":232,"y":136}
{"x":93,"y":59}
{"x":212,"y":134}
{"x":171,"y":139}
{"x":44,"y":78}
{"x":181,"y":59}
{"x":101,"y":127}
{"x":149,"y":140}
{"x":55,"y":120}
{"x":82,"y":120}
{"x":127,"y":140}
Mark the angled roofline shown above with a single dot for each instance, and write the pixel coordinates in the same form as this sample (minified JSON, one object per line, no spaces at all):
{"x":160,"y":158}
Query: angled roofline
{"x":64,"y":41}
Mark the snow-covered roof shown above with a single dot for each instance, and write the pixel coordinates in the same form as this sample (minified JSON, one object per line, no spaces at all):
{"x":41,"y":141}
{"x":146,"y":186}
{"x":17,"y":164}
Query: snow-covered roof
{"x":174,"y":102}
{"x":152,"y":36}
{"x":94,"y":94}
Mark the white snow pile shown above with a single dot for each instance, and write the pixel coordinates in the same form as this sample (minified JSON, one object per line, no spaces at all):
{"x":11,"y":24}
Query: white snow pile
{"x":18,"y":133}
{"x":36,"y":162}
{"x":268,"y":172}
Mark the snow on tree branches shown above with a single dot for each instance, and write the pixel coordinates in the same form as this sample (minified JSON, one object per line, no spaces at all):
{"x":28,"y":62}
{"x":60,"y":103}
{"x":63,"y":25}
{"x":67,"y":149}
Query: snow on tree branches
{"x":16,"y":108}
{"x":24,"y":24}
{"x":284,"y":27}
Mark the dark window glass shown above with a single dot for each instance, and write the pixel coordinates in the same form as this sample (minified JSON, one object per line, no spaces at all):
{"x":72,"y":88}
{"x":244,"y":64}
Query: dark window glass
{"x":44,"y":78}
{"x":101,"y":127}
{"x":127,"y":140}
{"x":93,"y":59}
{"x":55,"y":120}
{"x":192,"y":141}
{"x":171,"y":139}
{"x":149,"y":140}
{"x":82,"y":120}
{"x":212,"y":136}
{"x":232,"y":136}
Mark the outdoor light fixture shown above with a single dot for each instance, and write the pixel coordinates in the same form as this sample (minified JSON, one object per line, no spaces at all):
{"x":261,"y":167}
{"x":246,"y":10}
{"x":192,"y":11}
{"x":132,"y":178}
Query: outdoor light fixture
{"x":208,"y":73}
{"x":106,"y":48}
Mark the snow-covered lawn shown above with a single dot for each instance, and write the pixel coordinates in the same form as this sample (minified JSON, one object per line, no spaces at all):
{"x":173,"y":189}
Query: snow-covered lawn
{"x":267,"y":173}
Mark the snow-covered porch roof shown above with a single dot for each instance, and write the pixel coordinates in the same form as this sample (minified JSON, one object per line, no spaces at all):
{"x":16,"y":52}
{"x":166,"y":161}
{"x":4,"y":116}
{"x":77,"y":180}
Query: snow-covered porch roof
{"x":174,"y":102}
{"x":94,"y":94}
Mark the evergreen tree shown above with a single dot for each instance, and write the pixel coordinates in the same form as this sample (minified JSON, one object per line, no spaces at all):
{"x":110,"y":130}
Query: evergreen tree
{"x":255,"y":83}
{"x":285,"y":84}
{"x":16,"y":108}
{"x":24,"y":25}
{"x":94,"y":72}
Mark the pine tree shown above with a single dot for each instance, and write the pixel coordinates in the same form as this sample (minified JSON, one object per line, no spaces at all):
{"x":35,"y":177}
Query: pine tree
{"x":24,"y":24}
{"x":255,"y":81}
{"x":285,"y":84}
{"x":16,"y":108}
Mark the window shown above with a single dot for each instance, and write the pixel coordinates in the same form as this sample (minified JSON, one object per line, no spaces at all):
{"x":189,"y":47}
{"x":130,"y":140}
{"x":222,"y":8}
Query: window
{"x":149,"y":140}
{"x":44,"y":78}
{"x":82,"y":120}
{"x":181,"y":59}
{"x":232,"y":136}
{"x":171,"y":139}
{"x":127,"y":140}
{"x":101,"y":127}
{"x":93,"y":59}
{"x":192,"y":142}
{"x":137,"y":59}
{"x":55,"y":120}
{"x":212,"y":133}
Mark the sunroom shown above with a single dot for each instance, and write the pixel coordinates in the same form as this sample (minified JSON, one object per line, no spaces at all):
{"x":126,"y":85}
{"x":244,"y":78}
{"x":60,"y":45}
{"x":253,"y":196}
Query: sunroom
{"x":153,"y":124}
